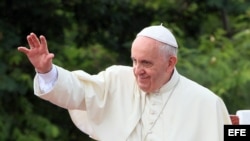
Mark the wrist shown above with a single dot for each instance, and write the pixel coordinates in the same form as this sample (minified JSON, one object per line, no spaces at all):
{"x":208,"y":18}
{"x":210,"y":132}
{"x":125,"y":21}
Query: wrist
{"x":43,"y":71}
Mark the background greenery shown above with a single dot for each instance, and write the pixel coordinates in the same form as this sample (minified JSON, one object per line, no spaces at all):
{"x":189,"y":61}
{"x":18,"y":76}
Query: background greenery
{"x":213,"y":35}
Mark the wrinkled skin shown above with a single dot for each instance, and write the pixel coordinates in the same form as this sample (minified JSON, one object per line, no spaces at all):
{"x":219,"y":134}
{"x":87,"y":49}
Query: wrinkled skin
{"x":151,"y":68}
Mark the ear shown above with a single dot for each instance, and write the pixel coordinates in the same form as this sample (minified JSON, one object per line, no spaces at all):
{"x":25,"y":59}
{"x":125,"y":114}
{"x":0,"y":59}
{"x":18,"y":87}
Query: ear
{"x":172,"y":62}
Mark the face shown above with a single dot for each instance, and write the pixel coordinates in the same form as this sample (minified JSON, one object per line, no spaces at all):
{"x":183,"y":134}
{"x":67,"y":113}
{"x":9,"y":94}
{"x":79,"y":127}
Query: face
{"x":151,"y":67}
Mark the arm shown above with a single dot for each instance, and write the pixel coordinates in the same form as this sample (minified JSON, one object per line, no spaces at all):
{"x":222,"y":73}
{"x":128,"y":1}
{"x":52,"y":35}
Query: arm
{"x":62,"y":95}
{"x":46,"y":81}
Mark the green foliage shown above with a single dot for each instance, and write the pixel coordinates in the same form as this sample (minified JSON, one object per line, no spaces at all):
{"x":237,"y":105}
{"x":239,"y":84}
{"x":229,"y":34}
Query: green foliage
{"x":221,"y":65}
{"x":213,"y":37}
{"x":89,"y":58}
{"x":24,"y":124}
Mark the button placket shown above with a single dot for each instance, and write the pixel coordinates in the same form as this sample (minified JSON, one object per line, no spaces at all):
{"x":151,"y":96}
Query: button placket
{"x":155,"y":103}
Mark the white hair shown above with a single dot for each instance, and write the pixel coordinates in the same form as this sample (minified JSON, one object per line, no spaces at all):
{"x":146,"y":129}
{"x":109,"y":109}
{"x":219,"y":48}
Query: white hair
{"x":167,"y":50}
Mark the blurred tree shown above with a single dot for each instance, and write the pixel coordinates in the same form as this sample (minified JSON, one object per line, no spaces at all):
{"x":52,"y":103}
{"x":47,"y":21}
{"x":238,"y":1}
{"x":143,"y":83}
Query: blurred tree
{"x":213,"y":36}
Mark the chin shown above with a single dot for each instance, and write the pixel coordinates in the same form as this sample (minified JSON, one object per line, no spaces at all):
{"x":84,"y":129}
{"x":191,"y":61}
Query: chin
{"x":145,"y":89}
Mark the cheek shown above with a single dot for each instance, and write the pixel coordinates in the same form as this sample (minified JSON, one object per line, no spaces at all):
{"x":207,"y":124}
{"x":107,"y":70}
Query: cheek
{"x":155,"y":77}
{"x":158,"y":76}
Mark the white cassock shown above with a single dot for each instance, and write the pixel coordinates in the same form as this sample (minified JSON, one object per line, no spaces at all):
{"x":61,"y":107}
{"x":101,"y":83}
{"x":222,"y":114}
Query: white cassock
{"x":110,"y":106}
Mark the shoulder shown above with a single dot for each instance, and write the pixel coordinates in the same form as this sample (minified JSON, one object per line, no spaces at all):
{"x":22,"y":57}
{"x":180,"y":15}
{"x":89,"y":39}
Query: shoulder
{"x":195,"y":89}
{"x":119,"y":71}
{"x":119,"y":68}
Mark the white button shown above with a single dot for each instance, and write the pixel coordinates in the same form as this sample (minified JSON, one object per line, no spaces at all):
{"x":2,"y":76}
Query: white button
{"x":151,"y":123}
{"x":153,"y":112}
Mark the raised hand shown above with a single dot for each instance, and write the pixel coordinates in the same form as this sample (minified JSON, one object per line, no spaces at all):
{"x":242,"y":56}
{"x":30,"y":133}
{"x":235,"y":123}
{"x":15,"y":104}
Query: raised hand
{"x":38,"y":53}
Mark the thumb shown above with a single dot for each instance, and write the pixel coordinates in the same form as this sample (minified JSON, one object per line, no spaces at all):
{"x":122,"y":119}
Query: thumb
{"x":23,"y":50}
{"x":50,"y":56}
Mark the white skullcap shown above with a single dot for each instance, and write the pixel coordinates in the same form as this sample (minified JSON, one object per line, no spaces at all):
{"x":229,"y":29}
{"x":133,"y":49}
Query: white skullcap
{"x":159,"y":33}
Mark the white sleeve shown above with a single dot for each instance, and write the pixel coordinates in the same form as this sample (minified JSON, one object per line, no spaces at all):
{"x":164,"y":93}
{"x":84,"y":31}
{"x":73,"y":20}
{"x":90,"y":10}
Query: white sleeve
{"x":47,"y":80}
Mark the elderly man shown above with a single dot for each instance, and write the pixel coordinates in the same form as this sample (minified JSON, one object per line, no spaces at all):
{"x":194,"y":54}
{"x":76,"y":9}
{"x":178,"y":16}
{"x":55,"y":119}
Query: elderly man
{"x":150,"y":101}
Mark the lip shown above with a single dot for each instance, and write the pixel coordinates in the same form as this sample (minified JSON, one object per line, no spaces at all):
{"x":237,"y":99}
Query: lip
{"x":142,"y":79}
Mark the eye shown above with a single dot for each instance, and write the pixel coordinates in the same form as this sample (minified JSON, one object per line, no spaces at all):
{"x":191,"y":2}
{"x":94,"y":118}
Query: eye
{"x":147,"y":64}
{"x":143,"y":63}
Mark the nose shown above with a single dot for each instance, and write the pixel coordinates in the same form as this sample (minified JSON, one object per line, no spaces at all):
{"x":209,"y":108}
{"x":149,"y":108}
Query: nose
{"x":138,"y":69}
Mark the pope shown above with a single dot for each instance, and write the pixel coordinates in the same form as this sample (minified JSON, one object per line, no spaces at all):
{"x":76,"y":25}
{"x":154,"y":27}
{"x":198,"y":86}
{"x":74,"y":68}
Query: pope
{"x":148,"y":101}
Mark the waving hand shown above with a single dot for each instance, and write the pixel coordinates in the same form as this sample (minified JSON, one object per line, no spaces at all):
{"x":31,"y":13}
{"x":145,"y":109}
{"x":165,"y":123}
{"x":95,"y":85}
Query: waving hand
{"x":38,"y":53}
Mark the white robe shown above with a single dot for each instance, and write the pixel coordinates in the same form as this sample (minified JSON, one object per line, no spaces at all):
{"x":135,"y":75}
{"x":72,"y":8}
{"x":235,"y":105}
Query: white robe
{"x":113,"y":108}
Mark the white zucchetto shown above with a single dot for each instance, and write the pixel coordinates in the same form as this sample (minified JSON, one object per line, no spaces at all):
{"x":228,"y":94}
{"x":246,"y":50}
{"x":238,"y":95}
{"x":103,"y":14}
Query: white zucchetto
{"x":159,"y":33}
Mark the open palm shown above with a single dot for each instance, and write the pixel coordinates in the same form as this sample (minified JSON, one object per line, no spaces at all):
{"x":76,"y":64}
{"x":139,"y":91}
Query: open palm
{"x":38,"y":53}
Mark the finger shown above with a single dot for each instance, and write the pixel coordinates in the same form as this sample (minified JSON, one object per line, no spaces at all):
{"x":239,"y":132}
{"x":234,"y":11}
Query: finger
{"x":43,"y":42}
{"x":50,"y":56}
{"x":30,"y":42}
{"x":23,"y":50}
{"x":35,"y":40}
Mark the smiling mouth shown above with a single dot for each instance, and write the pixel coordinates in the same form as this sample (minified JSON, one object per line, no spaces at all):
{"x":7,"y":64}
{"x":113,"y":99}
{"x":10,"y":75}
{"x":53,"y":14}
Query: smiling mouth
{"x":142,"y":79}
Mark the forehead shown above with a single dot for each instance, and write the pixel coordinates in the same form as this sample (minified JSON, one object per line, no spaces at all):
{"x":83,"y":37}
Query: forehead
{"x":144,"y":46}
